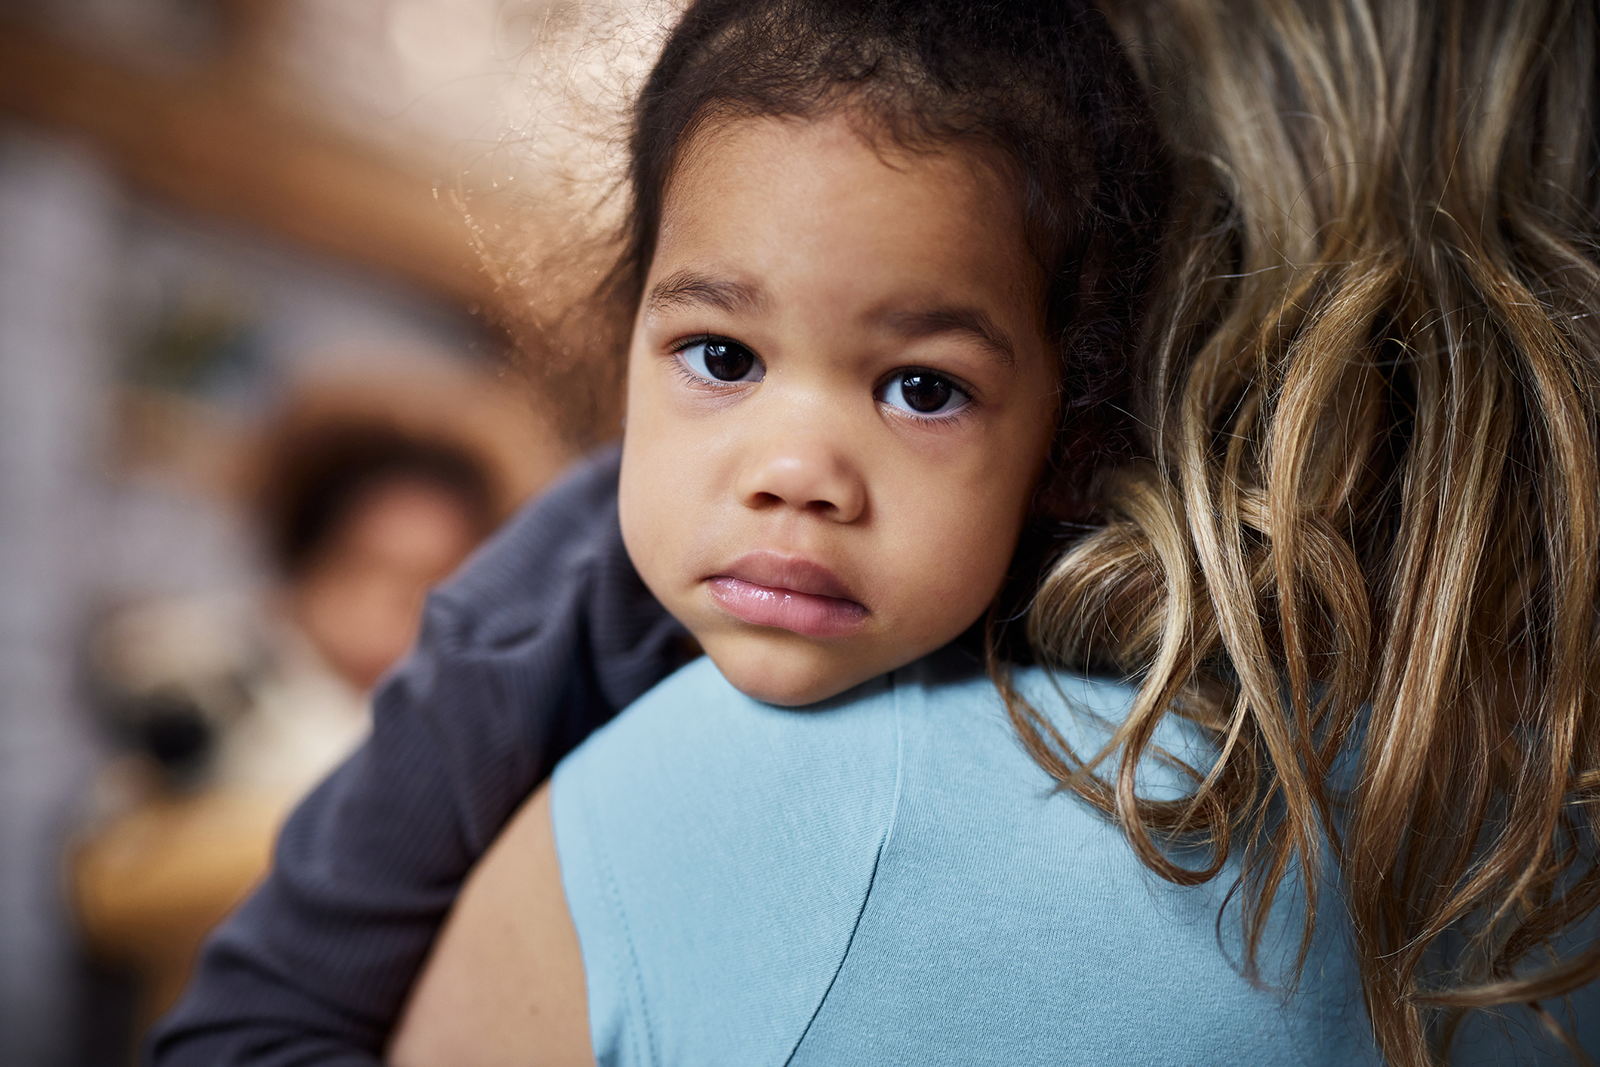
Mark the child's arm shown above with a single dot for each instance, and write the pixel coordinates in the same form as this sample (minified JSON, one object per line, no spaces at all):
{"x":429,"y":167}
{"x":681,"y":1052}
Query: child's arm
{"x":542,"y":637}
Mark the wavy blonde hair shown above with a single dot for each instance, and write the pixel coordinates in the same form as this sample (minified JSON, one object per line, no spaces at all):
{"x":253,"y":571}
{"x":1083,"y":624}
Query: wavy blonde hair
{"x":1371,"y":528}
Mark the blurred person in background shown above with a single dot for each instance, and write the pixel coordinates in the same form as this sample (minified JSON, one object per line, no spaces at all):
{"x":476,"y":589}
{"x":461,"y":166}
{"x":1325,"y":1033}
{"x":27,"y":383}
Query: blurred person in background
{"x":232,"y":707}
{"x":363,"y":519}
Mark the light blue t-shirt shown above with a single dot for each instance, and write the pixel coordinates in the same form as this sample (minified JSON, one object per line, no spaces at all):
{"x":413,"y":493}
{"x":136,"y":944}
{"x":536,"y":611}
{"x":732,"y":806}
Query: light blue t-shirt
{"x":889,"y":878}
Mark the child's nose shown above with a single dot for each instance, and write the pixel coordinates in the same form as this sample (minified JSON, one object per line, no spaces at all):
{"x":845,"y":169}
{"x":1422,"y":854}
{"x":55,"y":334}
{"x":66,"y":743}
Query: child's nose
{"x":801,"y":470}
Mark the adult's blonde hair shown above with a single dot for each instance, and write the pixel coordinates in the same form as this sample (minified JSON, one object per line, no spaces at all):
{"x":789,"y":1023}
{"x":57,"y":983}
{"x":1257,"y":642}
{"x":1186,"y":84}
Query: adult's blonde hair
{"x":1366,"y":551}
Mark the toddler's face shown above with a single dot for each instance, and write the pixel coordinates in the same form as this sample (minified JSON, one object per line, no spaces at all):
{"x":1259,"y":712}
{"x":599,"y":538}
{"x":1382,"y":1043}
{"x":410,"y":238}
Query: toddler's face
{"x":839,"y":401}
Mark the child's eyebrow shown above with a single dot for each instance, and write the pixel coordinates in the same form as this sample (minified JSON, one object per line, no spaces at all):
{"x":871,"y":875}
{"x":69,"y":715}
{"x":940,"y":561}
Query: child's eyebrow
{"x":913,"y":325}
{"x":691,"y":287}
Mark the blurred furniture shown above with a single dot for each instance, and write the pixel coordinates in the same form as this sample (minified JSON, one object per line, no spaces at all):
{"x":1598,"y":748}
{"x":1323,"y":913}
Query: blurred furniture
{"x":154,"y":881}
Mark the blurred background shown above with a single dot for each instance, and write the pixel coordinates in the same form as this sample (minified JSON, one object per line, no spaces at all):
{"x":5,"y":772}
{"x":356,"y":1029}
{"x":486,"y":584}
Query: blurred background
{"x":250,"y":408}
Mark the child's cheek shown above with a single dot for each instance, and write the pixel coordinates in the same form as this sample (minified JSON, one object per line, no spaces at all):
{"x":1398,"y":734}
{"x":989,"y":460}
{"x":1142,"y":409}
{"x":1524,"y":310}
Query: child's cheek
{"x":636,"y":505}
{"x":655,"y":494}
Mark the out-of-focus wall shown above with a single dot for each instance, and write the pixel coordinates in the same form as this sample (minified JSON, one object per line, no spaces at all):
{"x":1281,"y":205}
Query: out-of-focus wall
{"x":58,"y":250}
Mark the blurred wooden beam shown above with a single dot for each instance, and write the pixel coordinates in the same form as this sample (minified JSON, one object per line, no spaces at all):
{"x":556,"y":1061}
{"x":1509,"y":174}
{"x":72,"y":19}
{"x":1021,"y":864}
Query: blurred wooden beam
{"x":203,"y":145}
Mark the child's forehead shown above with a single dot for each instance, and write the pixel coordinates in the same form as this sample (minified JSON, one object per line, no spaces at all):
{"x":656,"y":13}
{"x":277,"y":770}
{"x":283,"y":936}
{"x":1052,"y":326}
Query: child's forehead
{"x":814,"y":212}
{"x":719,"y":152}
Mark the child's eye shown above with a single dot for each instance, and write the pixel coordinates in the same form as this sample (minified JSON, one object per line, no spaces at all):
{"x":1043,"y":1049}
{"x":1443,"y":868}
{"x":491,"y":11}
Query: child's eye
{"x":722,"y":360}
{"x":923,"y":392}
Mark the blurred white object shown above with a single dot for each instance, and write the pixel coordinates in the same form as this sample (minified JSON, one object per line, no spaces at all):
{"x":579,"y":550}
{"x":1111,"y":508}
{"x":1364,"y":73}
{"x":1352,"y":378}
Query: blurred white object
{"x":302,"y":722}
{"x":265,"y":712}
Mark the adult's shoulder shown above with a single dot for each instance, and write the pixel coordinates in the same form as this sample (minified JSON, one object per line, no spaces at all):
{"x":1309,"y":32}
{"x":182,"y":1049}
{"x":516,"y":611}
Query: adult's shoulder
{"x":703,"y":833}
{"x":695,"y":723}
{"x":737,"y":770}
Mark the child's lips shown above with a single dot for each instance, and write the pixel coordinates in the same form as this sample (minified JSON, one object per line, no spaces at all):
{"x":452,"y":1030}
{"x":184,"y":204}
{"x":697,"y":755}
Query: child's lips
{"x":790,"y":593}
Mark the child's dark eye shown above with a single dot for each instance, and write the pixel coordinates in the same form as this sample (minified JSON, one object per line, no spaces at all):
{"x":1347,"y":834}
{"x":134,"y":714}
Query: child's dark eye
{"x":722,"y":360}
{"x":923,"y":392}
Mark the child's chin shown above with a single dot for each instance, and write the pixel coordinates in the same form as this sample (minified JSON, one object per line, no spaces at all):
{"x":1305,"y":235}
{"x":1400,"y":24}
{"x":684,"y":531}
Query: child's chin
{"x":787,"y":673}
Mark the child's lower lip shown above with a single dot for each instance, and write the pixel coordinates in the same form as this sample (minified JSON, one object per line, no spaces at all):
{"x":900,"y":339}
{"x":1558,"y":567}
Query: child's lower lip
{"x":803,"y":613}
